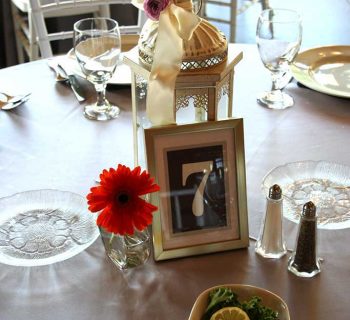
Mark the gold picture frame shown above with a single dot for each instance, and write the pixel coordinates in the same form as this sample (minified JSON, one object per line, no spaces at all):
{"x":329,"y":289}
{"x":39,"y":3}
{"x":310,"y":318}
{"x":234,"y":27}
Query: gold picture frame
{"x":202,"y":203}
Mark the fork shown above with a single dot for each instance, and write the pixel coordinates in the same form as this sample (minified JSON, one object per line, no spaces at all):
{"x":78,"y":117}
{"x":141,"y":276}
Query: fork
{"x":54,"y":66}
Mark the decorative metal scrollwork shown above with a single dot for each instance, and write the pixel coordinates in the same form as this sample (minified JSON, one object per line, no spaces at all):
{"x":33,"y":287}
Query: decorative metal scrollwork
{"x":199,"y":101}
{"x":224,"y":88}
{"x":189,"y":65}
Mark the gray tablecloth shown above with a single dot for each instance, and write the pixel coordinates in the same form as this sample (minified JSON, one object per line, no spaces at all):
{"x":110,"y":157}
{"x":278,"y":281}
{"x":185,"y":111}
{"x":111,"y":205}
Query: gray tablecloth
{"x":47,"y":143}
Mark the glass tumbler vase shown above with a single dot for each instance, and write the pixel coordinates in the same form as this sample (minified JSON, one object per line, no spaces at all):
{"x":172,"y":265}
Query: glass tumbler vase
{"x":127,"y":251}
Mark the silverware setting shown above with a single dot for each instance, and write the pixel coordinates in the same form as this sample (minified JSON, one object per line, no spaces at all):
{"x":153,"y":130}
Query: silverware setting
{"x":63,"y":75}
{"x":12,"y":102}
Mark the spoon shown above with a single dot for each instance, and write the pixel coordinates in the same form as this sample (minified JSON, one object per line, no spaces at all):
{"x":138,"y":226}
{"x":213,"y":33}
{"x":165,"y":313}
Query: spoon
{"x":11,"y":105}
{"x":14,"y":99}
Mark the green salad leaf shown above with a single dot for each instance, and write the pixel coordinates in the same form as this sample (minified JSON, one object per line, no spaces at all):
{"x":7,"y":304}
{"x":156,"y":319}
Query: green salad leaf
{"x":224,"y":297}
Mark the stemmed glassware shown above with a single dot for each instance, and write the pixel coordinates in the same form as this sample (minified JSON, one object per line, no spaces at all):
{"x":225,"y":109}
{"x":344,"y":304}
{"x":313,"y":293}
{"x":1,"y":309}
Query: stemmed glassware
{"x":97,"y":46}
{"x":278,"y":36}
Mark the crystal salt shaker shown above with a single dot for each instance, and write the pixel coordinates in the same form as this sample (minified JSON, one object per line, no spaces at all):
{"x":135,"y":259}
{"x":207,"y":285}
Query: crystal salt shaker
{"x":304,"y":261}
{"x":270,"y":243}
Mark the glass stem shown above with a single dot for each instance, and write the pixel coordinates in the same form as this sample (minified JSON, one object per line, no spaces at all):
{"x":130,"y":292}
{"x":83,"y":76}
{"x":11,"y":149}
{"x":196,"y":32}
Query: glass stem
{"x":101,"y":95}
{"x":275,"y":81}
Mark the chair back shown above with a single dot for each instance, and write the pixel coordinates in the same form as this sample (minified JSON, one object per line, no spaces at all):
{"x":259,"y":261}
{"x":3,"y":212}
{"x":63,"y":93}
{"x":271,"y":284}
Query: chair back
{"x":39,"y":9}
{"x":233,"y":8}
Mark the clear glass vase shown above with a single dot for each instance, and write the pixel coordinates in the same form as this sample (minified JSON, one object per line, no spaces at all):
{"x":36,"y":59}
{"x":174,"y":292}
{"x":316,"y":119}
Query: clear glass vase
{"x":127,"y":251}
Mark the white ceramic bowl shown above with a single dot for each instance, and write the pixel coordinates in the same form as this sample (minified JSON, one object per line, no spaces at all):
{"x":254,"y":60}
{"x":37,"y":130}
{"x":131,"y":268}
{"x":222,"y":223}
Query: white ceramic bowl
{"x":244,"y":292}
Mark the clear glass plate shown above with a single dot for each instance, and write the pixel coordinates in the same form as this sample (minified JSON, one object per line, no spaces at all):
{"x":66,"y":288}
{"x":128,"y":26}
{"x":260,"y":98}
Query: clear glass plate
{"x":327,"y":184}
{"x":41,"y":227}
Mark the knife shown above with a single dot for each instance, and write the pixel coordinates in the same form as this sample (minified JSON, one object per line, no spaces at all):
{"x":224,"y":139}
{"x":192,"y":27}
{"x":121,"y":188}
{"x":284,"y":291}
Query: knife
{"x":74,"y":82}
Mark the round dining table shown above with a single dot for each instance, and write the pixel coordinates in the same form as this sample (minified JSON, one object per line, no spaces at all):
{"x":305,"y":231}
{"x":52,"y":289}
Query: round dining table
{"x":47,"y":143}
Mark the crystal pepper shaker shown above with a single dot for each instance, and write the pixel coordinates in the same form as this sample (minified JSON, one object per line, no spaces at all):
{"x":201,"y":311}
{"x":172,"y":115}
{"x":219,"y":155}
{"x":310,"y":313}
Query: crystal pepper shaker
{"x":270,"y":243}
{"x":304,"y":261}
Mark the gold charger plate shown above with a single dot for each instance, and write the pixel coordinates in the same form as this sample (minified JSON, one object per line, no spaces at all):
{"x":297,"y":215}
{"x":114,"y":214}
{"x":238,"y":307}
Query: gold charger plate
{"x":324,"y":69}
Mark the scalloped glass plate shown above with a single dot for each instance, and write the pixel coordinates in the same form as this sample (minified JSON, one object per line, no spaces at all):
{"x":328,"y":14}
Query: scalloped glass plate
{"x":42,"y":227}
{"x":325,"y":183}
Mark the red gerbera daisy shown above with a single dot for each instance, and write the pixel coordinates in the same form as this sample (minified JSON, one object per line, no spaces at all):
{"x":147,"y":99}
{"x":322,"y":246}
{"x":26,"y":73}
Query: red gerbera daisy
{"x":118,"y":196}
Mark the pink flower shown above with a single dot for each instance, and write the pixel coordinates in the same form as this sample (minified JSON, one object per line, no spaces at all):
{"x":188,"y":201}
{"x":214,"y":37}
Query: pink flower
{"x":153,"y":8}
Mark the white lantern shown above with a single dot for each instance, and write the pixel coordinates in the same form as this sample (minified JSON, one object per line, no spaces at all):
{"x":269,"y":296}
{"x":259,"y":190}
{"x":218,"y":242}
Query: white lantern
{"x":204,"y":86}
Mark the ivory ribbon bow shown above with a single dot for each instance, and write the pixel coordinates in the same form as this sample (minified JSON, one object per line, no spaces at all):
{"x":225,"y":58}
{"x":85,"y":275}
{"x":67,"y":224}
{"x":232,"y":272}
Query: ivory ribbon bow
{"x":175,"y":25}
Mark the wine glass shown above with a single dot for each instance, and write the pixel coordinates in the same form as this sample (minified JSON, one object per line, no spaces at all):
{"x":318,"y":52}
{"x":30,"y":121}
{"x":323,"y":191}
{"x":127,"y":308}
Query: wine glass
{"x":97,"y":47}
{"x":278,"y":36}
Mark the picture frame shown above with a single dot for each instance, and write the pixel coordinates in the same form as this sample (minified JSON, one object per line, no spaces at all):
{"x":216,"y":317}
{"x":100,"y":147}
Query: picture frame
{"x":202,"y":202}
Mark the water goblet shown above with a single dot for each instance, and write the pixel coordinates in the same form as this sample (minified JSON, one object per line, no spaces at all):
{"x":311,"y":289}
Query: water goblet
{"x":97,"y":47}
{"x":278,"y":36}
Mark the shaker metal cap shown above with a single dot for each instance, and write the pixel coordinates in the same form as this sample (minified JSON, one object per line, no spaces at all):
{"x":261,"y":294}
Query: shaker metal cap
{"x":309,"y":210}
{"x":275,"y":192}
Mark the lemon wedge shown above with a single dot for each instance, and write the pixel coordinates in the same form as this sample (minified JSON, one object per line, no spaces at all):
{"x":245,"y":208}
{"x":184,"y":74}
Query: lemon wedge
{"x":230,"y":313}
